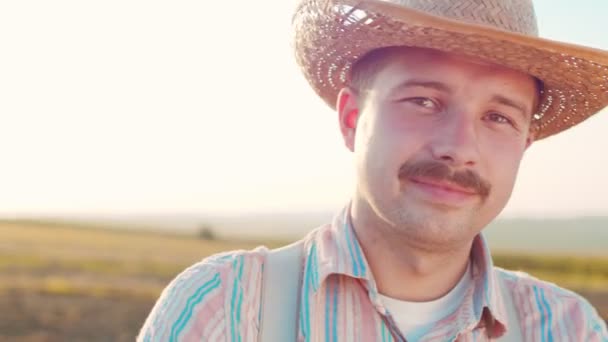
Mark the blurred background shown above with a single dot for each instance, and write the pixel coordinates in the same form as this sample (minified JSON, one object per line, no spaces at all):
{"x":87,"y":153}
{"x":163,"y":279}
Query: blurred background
{"x":138,"y":137}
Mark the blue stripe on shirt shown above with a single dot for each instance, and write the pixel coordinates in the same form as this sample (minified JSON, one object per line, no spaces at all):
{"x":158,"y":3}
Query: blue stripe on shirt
{"x":327,"y":308}
{"x":549,"y":315}
{"x":305,"y":318}
{"x":236,"y":294}
{"x":335,"y":313}
{"x":349,"y":243}
{"x":193,"y":300}
{"x":543,"y":324}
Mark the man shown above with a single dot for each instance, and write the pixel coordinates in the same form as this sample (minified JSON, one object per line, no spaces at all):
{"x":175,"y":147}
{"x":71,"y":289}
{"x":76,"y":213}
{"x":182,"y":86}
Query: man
{"x":438,"y":101}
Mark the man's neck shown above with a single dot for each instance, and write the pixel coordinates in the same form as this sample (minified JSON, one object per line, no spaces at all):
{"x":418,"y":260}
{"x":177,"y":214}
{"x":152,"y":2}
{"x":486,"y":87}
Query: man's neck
{"x":404,"y":270}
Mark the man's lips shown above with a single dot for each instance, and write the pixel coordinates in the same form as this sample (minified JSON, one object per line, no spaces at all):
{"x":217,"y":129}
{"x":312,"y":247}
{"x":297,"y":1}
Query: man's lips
{"x":443,"y":185}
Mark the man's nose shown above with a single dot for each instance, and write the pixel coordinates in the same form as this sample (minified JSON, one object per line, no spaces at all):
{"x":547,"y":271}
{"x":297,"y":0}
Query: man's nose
{"x":456,"y":142}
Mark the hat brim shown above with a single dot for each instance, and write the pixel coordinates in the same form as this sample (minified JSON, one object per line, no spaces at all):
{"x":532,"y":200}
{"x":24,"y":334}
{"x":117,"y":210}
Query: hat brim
{"x":331,"y":35}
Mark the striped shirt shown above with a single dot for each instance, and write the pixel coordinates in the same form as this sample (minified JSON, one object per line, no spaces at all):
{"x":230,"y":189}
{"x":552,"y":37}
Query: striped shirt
{"x":218,"y":299}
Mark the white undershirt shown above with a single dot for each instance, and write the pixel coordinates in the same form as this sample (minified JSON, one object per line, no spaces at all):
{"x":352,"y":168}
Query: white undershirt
{"x":415,"y":319}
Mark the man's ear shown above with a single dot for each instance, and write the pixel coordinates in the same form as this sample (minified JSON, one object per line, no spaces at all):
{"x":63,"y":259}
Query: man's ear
{"x":347,"y":106}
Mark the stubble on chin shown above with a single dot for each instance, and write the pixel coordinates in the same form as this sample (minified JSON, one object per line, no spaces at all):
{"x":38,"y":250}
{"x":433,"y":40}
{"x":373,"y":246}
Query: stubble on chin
{"x":430,"y":229}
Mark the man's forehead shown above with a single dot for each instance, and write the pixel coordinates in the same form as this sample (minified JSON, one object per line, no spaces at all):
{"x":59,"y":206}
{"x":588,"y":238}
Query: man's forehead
{"x":420,"y":57}
{"x":447,"y":68}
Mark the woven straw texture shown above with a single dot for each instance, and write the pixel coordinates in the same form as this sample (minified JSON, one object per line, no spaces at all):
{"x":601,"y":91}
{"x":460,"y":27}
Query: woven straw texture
{"x":330,"y":35}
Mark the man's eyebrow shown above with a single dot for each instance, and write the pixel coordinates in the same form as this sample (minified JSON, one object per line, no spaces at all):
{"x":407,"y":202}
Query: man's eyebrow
{"x":425,"y":84}
{"x":445,"y":88}
{"x":511,"y":103}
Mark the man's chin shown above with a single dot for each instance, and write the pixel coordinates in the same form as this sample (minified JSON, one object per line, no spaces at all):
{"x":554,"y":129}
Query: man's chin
{"x":435,"y":220}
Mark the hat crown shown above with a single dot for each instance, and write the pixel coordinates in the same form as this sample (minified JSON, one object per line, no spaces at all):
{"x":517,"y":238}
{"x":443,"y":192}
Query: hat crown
{"x":510,"y":15}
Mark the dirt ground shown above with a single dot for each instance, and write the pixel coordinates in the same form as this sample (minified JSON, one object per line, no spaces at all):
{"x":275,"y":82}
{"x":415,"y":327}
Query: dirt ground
{"x":35,"y":317}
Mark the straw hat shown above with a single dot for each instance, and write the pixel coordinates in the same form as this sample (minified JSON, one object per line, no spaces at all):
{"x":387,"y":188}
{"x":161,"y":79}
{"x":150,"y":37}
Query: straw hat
{"x":330,"y":35}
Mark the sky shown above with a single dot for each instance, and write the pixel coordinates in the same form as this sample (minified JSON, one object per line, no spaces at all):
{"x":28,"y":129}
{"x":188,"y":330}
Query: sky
{"x":120,"y":106}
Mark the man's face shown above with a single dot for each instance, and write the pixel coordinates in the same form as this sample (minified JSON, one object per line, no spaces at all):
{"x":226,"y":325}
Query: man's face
{"x":438,"y":140}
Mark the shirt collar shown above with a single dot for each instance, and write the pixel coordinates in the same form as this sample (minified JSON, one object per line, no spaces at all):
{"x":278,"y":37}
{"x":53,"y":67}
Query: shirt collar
{"x":337,"y":251}
{"x":488,"y":294}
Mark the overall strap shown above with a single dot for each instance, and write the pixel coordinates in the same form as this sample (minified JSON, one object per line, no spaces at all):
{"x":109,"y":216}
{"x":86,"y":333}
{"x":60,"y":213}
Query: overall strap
{"x":513,"y":333}
{"x":280,"y":294}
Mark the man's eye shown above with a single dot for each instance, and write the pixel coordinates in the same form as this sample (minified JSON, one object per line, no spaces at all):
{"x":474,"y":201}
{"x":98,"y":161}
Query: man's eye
{"x":499,"y":118}
{"x":423,"y":102}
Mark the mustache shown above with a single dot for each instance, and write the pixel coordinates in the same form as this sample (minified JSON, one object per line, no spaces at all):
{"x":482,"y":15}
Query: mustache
{"x":438,"y":171}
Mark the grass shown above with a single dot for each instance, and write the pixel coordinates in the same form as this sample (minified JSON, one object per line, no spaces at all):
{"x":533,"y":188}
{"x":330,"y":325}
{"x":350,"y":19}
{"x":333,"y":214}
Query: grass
{"x":558,"y":263}
{"x":574,"y":272}
{"x":91,"y":265}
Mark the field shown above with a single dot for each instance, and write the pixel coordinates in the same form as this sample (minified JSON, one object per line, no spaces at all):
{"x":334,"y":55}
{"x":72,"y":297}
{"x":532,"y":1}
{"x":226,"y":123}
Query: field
{"x":60,"y":282}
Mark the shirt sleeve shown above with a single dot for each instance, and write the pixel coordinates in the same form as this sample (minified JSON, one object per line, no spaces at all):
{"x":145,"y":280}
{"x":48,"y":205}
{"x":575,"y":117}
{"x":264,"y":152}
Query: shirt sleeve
{"x":596,"y":327}
{"x":212,"y":300}
{"x":577,"y":320}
